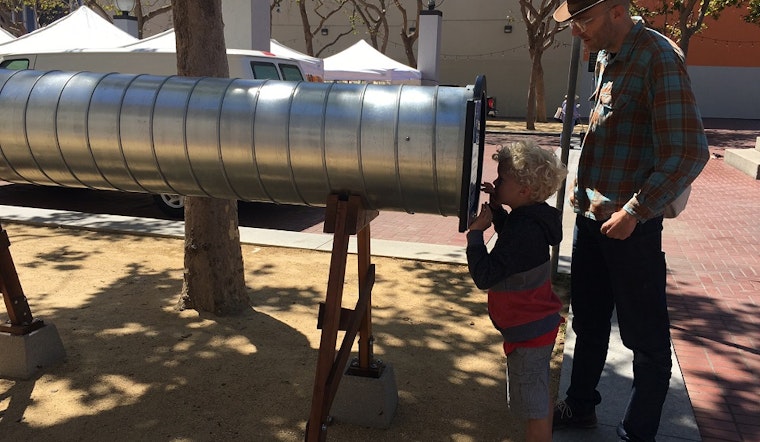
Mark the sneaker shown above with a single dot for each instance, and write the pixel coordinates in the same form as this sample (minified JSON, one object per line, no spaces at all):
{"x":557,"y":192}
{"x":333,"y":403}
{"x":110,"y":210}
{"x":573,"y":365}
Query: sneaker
{"x":564,"y":417}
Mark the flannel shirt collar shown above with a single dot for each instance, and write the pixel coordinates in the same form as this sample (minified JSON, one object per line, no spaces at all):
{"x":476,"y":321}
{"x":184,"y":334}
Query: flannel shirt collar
{"x":626,"y":49}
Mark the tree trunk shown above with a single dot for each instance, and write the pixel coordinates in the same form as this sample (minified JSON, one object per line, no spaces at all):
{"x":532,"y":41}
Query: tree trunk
{"x":538,"y":83}
{"x":530,"y":105}
{"x":309,"y":38}
{"x":536,"y":106}
{"x":409,"y":38}
{"x":213,"y":279}
{"x":541,"y":29}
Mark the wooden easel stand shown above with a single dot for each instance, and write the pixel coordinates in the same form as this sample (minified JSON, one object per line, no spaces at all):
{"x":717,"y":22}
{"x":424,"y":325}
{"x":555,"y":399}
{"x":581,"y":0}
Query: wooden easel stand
{"x":21,"y":321}
{"x":345,"y":216}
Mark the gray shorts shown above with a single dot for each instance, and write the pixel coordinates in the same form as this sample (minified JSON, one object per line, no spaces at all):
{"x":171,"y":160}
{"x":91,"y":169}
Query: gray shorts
{"x":528,"y":381}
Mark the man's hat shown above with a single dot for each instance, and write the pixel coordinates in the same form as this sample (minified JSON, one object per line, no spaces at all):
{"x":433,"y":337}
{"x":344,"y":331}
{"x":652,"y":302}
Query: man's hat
{"x":572,"y":8}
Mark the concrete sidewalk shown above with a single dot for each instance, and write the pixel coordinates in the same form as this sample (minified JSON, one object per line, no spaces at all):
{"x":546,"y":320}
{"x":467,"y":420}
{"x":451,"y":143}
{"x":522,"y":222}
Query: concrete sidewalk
{"x":678,"y":422}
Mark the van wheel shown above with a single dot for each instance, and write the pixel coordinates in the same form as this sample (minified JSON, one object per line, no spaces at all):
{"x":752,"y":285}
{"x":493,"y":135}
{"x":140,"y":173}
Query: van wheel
{"x":171,"y":204}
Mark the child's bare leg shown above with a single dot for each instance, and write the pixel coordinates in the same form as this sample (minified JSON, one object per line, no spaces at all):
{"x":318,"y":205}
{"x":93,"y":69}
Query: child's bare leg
{"x":539,"y":430}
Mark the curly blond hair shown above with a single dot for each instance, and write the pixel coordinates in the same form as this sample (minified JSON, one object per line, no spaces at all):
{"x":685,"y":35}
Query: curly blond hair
{"x":538,"y":169}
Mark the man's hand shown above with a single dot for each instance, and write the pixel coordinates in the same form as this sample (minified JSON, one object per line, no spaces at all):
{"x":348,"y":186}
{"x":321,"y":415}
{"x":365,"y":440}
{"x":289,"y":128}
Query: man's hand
{"x":571,"y":197}
{"x":619,"y":226}
{"x":484,"y":218}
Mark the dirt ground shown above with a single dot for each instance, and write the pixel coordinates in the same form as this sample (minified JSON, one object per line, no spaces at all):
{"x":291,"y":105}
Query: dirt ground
{"x":137,"y":369}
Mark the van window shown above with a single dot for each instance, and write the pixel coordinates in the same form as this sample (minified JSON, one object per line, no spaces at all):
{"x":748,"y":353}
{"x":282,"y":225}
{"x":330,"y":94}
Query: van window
{"x":16,"y":64}
{"x":264,"y":71}
{"x":291,"y":72}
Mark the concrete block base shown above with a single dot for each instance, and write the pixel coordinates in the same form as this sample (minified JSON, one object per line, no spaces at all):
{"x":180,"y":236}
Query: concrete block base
{"x":746,"y":160}
{"x":24,"y":355}
{"x":365,"y":401}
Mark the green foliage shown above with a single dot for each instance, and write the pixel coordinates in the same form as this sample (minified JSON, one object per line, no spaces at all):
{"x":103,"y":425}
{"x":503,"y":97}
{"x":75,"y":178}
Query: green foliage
{"x":38,"y":5}
{"x":673,"y":22}
{"x":753,"y":14}
{"x":681,"y":19}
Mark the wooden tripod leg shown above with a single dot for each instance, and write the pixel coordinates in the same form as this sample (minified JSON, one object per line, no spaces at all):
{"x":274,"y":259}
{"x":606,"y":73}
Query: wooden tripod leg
{"x":365,"y":330}
{"x":19,"y":313}
{"x":345,"y":216}
{"x":316,"y":429}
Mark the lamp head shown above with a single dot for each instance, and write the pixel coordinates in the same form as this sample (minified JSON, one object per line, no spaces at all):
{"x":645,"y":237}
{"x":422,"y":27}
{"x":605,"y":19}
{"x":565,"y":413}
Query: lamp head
{"x":125,"y":6}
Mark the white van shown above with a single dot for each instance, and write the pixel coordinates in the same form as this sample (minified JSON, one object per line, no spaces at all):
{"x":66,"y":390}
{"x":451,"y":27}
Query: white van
{"x":242,"y":64}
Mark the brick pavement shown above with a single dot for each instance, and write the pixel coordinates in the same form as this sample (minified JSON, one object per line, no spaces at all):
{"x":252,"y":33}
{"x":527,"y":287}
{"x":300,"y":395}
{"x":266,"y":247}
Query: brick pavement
{"x":713,"y":254}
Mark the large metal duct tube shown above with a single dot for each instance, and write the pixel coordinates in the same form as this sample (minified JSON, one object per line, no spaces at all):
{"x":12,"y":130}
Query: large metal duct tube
{"x":404,"y":148}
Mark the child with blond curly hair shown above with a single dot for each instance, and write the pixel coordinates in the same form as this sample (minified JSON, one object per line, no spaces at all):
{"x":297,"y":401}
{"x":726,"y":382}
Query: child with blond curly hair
{"x":517,"y":273}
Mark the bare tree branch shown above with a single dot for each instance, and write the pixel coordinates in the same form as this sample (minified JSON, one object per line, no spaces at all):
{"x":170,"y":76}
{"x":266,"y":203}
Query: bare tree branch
{"x":541,"y":30}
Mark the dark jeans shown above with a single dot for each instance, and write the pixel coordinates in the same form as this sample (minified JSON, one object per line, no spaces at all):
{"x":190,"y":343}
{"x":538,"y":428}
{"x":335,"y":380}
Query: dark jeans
{"x":628,"y":276}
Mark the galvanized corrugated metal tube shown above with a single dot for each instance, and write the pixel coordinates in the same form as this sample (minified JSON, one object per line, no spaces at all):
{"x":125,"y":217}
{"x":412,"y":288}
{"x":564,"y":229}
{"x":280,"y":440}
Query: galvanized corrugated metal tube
{"x":404,"y":148}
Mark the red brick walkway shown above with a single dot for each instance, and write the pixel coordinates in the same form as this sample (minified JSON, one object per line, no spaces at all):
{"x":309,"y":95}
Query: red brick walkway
{"x":713,"y":254}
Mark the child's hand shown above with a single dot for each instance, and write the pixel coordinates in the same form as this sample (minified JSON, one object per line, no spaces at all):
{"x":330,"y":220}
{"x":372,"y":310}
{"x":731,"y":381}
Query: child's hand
{"x":484,"y":218}
{"x":487,"y":188}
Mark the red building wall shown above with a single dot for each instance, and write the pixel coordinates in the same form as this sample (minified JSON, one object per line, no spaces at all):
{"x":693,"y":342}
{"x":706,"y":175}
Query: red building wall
{"x":728,"y":41}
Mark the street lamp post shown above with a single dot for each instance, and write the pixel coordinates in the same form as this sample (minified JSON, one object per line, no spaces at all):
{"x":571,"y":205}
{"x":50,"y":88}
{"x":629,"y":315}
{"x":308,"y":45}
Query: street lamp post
{"x":124,"y":21}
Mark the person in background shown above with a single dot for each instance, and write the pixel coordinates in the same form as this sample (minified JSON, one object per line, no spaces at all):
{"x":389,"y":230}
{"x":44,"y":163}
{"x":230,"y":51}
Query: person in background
{"x":560,"y":116}
{"x":521,"y":302}
{"x":645,"y":144}
{"x":576,"y":112}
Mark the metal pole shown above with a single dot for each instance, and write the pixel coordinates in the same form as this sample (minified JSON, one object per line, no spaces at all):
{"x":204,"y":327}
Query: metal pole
{"x":567,"y":128}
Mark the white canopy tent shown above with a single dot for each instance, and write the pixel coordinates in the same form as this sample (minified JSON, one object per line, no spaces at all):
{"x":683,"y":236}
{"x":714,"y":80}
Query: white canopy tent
{"x":82,"y":29}
{"x":163,"y":40}
{"x":5,"y":36}
{"x":362,"y":62}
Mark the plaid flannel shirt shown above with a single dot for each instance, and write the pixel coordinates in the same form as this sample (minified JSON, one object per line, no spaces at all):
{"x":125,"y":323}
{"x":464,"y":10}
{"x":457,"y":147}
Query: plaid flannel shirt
{"x":646,"y":142}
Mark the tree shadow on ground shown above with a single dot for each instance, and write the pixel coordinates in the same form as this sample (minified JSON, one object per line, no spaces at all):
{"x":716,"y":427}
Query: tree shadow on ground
{"x":716,"y":345}
{"x":721,"y":139}
{"x":136,"y":369}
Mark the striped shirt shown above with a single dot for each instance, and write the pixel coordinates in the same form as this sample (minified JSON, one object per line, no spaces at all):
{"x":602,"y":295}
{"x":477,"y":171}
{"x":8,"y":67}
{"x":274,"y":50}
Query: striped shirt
{"x":646,"y":142}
